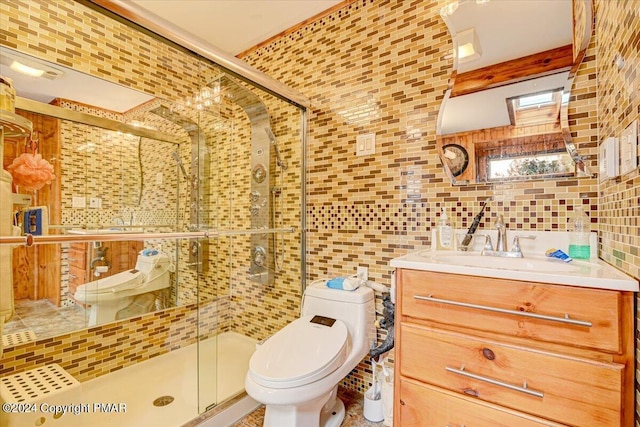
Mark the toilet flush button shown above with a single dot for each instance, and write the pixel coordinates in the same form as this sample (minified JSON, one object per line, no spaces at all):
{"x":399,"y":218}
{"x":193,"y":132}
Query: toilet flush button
{"x":321,"y":320}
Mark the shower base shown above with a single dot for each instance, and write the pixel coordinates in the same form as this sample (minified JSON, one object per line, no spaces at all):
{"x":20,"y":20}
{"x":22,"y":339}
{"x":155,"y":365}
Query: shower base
{"x":182,"y":382}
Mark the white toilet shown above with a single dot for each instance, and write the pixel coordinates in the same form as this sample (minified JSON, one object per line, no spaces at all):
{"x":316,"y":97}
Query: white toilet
{"x":109,"y":295}
{"x":296,"y":372}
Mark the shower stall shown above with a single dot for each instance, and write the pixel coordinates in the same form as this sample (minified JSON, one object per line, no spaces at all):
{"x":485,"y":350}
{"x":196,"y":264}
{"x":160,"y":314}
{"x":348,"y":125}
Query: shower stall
{"x":219,"y":195}
{"x":214,"y":179}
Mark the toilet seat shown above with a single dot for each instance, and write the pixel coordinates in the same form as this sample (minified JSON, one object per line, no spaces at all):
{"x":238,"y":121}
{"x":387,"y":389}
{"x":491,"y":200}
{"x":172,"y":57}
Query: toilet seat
{"x":300,"y":353}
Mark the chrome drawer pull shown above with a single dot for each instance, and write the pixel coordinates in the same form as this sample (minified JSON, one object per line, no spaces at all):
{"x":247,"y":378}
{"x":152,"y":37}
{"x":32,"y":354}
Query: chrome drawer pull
{"x":565,"y":319}
{"x":523,"y":389}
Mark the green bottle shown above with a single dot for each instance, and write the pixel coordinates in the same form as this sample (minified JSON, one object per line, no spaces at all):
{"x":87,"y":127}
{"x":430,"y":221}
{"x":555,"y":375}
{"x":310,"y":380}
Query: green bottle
{"x":579,"y":247}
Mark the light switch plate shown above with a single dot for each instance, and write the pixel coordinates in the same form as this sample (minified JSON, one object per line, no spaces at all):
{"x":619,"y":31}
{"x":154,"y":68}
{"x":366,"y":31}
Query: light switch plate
{"x":629,"y":148}
{"x":366,"y":144}
{"x":609,"y":158}
{"x":78,"y":202}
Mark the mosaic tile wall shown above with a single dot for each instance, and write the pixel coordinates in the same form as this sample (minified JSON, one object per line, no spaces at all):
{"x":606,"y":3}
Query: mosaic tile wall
{"x":104,"y":164}
{"x":97,"y":351}
{"x":381,"y":66}
{"x":618,"y":27}
{"x":65,"y":32}
{"x":618,"y":105}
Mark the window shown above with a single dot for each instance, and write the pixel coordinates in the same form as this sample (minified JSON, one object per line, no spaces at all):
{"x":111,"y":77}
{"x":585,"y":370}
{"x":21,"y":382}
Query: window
{"x":528,"y":166}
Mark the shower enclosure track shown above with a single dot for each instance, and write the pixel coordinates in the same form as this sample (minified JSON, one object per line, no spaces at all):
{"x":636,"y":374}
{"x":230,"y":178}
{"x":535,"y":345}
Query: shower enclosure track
{"x":30,"y":240}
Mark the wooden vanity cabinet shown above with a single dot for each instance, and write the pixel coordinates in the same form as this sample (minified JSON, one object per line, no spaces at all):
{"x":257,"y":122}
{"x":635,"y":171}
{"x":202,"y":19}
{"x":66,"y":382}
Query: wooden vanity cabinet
{"x":78,"y":266}
{"x":478,"y":351}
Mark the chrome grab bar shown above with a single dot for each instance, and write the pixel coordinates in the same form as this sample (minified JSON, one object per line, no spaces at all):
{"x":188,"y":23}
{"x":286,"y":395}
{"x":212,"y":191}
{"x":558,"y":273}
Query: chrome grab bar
{"x":565,"y":319}
{"x":30,"y":240}
{"x":522,"y":389}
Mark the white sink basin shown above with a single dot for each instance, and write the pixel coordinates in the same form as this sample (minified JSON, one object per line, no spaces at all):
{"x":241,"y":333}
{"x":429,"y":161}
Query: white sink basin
{"x":534,"y":267}
{"x":531,"y":263}
{"x":105,"y":230}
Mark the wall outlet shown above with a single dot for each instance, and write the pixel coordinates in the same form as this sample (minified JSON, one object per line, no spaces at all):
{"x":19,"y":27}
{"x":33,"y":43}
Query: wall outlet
{"x":366,"y":144}
{"x":95,"y":202}
{"x":363,"y":273}
{"x":159,"y":178}
{"x":78,"y":202}
{"x":629,"y":148}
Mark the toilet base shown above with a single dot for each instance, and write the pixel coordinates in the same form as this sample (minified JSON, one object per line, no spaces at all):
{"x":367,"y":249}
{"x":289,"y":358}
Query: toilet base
{"x":334,"y":415}
{"x":102,"y":312}
{"x":325,"y":411}
{"x":109,"y":311}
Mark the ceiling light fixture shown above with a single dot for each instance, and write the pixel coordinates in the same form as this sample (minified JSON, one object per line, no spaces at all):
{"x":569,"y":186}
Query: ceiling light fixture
{"x":28,"y":65}
{"x":19,"y":67}
{"x":452,"y":5}
{"x":468,"y":45}
{"x":449,"y":8}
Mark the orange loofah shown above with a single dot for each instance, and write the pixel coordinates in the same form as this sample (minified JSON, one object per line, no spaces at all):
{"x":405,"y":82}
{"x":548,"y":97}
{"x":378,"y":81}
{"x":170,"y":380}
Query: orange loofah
{"x":31,"y":171}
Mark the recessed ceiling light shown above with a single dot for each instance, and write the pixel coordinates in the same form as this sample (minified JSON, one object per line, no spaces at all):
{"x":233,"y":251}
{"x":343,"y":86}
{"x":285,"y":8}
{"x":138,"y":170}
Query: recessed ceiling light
{"x":26,"y":70}
{"x":468,"y":45}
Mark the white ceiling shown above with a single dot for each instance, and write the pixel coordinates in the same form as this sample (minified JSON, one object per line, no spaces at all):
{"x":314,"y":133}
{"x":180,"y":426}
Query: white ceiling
{"x":235,"y":25}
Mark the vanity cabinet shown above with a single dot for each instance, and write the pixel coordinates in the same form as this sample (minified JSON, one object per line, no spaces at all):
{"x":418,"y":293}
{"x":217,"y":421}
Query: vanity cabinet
{"x":78,"y":267}
{"x":484,"y":352}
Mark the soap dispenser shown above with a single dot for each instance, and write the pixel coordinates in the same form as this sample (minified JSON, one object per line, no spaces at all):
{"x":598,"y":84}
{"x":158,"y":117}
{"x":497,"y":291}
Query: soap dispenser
{"x":579,"y":245}
{"x":444,"y":233}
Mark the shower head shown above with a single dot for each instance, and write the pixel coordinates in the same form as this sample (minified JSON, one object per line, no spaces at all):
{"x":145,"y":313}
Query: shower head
{"x":279,"y":161}
{"x":176,"y":157}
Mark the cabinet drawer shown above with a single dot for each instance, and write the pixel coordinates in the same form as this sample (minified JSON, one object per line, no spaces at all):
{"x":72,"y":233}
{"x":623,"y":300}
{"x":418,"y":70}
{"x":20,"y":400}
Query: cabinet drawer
{"x":77,"y":276}
{"x":422,"y":405}
{"x":576,"y":391}
{"x":522,"y":309}
{"x":77,"y":258}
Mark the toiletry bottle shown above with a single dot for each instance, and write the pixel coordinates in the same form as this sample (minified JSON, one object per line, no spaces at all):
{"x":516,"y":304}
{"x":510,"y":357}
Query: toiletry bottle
{"x":444,"y":234}
{"x":579,"y":247}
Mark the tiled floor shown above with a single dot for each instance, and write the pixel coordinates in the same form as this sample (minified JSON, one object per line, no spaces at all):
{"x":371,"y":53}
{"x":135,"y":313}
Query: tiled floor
{"x":45,"y":319}
{"x":352,"y":402}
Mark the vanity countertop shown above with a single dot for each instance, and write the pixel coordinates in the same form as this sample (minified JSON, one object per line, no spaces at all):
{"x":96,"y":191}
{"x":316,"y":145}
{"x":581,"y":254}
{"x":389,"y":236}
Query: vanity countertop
{"x":533,"y":267}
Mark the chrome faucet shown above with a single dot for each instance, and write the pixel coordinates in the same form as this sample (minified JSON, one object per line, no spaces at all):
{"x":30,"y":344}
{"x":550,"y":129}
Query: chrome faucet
{"x":501,"y":244}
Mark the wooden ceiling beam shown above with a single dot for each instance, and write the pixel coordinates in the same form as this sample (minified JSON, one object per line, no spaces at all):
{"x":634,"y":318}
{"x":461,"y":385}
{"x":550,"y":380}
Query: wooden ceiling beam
{"x":516,"y":70}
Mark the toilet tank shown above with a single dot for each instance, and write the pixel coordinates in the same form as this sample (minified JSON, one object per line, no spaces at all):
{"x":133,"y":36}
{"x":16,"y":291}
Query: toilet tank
{"x":356,"y":309}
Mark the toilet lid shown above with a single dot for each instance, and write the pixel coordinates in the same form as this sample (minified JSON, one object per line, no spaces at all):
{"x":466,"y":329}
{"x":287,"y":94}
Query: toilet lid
{"x":304,"y":351}
{"x":120,"y":281}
